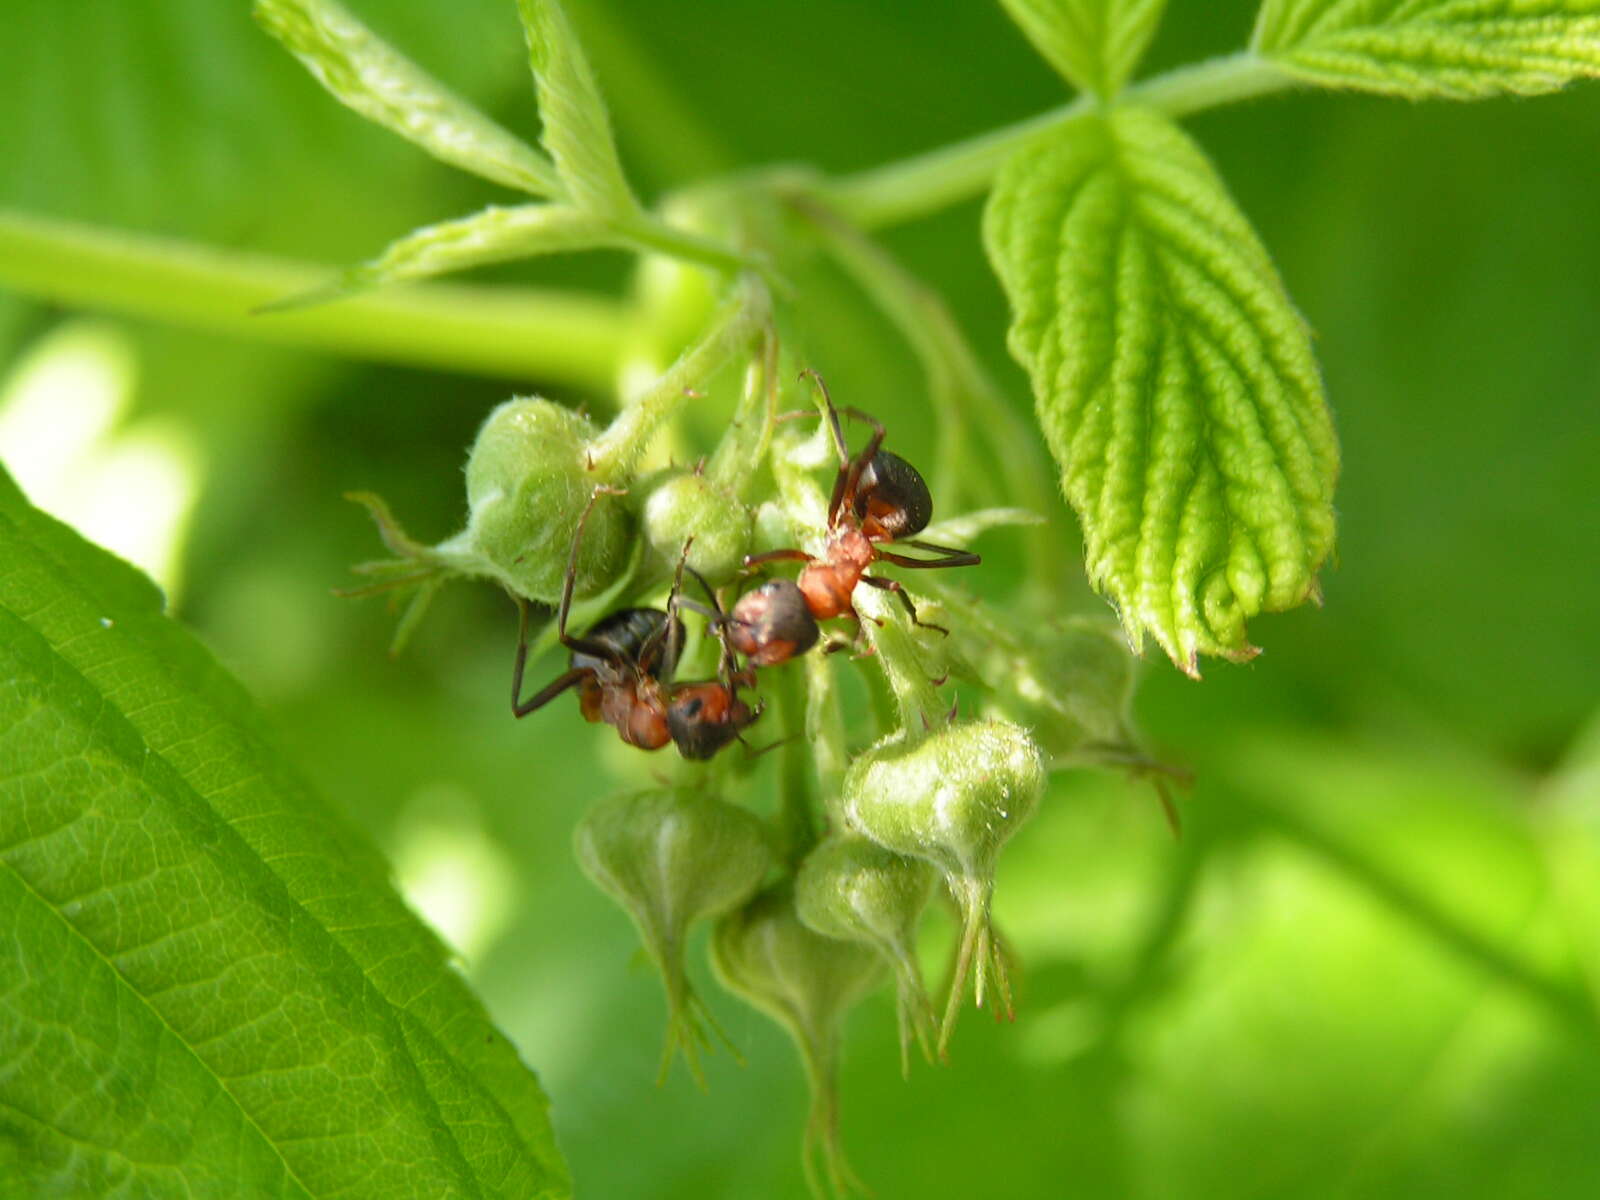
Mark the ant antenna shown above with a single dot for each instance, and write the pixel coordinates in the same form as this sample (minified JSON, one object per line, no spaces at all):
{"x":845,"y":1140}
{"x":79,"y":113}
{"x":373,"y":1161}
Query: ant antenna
{"x":833,"y":414}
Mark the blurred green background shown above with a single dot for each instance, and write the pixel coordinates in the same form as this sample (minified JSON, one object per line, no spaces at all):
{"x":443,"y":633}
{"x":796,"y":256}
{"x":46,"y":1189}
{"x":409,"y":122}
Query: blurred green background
{"x":1369,"y":968}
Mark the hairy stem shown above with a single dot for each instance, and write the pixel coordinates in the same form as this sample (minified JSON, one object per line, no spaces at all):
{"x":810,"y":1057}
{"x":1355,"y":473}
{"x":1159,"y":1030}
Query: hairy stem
{"x":915,"y":187}
{"x":797,"y":819}
{"x":742,"y":317}
{"x":516,"y":332}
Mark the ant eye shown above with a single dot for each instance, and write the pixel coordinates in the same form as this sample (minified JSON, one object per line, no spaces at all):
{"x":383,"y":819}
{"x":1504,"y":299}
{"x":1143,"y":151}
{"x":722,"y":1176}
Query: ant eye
{"x":693,"y":707}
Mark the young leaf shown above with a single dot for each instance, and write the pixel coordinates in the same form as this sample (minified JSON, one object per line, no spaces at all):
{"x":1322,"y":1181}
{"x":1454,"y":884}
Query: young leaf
{"x":1095,"y":43}
{"x":577,"y":132}
{"x":491,"y":236}
{"x":1459,"y":49}
{"x":209,"y":985}
{"x":1174,"y":381}
{"x":383,"y":85}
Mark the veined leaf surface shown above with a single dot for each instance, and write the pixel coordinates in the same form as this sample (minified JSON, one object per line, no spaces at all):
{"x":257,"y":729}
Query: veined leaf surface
{"x":494,"y":235}
{"x":383,"y":85}
{"x":1460,"y":49}
{"x":1174,"y":380}
{"x":207,"y":985}
{"x":577,"y":129}
{"x":1096,"y":44}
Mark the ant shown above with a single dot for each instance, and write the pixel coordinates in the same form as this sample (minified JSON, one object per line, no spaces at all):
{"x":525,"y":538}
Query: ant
{"x":623,"y":671}
{"x":878,"y":497}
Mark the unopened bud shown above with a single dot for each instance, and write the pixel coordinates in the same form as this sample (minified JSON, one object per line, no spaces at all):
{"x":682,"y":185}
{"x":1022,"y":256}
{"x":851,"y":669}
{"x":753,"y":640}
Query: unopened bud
{"x":805,"y":982}
{"x":952,"y":798}
{"x":682,"y":506}
{"x":529,"y":479}
{"x":670,"y":857}
{"x":852,"y":888}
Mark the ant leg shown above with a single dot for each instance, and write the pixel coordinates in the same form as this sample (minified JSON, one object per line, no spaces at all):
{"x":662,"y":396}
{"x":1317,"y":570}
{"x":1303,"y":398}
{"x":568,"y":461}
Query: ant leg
{"x":520,"y":707}
{"x":570,"y":579}
{"x":717,"y":620}
{"x":548,"y":693}
{"x":669,"y":631}
{"x":894,"y":585}
{"x":950,"y":558}
{"x":757,"y":560}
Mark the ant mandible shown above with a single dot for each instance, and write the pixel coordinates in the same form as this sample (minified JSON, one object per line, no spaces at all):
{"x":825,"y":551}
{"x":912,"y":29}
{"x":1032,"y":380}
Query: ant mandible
{"x":623,"y":671}
{"x":878,"y":497}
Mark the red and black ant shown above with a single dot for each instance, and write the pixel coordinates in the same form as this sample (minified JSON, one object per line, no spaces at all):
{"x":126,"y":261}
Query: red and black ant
{"x":878,"y":497}
{"x":623,"y":671}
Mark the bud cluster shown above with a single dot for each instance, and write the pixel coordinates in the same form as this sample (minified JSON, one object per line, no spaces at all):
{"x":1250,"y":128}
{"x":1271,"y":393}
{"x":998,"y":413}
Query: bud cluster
{"x":804,"y":925}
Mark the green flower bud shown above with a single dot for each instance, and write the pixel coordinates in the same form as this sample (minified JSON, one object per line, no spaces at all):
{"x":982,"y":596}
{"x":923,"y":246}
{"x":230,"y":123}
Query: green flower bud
{"x":528,"y":482}
{"x":852,"y":888}
{"x":805,"y":982}
{"x":952,"y":798}
{"x":671,"y":857}
{"x":683,"y":505}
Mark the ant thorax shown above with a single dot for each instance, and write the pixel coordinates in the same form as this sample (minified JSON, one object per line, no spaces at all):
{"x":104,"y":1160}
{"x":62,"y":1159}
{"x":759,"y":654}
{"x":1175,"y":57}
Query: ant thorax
{"x":828,"y":582}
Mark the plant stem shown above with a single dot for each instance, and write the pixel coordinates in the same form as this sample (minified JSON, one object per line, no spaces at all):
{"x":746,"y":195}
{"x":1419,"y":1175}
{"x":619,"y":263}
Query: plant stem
{"x":929,"y":182}
{"x":655,"y":234}
{"x":517,"y":332}
{"x":743,"y":315}
{"x":796,"y":819}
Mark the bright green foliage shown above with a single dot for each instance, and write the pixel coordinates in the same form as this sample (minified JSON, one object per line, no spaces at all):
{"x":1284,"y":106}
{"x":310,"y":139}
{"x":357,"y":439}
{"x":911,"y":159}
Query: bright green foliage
{"x":1096,"y":44}
{"x":1460,"y":49}
{"x":384,"y":86}
{"x":492,"y":236}
{"x":209,"y":985}
{"x":577,"y":132}
{"x":1174,"y":380}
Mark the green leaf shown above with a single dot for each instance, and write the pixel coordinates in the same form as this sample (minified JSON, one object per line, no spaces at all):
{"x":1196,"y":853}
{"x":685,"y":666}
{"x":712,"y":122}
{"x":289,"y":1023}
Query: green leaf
{"x":577,"y":131}
{"x":209,"y":986}
{"x":1095,"y":43}
{"x":1460,"y":49}
{"x":372,"y":77}
{"x":494,"y":235}
{"x":1174,"y":380}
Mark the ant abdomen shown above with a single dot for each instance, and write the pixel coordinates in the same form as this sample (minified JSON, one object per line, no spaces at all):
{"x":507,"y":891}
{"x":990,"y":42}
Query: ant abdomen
{"x":772,"y":624}
{"x":639,"y":636}
{"x":891,"y":499}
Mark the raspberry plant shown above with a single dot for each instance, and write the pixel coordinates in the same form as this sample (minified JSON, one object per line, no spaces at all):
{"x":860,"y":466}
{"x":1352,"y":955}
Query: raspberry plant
{"x":1179,"y":398}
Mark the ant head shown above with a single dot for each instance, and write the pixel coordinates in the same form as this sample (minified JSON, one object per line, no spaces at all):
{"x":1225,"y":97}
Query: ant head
{"x":891,"y":500}
{"x":705,"y":717}
{"x":772,"y":624}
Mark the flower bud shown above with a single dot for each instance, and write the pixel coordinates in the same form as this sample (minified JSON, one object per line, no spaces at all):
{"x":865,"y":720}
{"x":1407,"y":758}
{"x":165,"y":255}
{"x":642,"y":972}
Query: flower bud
{"x":528,"y":483}
{"x":805,"y":982}
{"x":952,"y":798}
{"x":683,"y":505}
{"x":852,"y":888}
{"x":671,"y":856}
